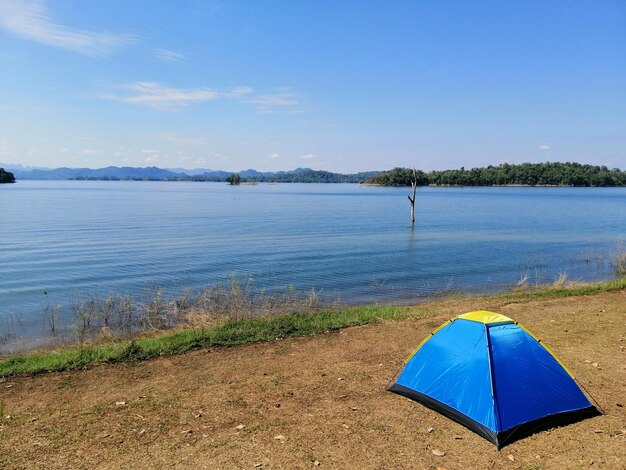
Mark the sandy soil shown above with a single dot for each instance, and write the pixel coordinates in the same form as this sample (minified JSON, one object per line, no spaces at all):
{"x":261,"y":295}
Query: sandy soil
{"x":311,"y":402}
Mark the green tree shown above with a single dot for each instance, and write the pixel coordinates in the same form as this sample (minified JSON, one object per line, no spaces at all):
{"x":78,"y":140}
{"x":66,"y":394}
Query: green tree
{"x":233,"y":179}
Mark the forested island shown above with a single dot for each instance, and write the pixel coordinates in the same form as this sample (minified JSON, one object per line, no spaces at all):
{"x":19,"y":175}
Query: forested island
{"x":525,"y":174}
{"x":6,"y":176}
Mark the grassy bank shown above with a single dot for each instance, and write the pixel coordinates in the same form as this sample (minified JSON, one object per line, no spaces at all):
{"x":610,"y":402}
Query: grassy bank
{"x":243,"y":331}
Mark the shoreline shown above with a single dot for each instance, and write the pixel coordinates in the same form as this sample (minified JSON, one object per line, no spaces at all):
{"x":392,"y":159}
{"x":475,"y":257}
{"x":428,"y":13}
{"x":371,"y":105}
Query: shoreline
{"x":264,"y":328}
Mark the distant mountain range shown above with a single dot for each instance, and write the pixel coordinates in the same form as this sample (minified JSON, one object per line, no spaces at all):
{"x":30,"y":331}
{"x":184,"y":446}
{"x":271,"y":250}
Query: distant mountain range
{"x":299,"y":175}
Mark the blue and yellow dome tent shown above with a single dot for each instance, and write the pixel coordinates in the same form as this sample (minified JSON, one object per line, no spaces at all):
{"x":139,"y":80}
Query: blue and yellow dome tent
{"x":491,"y":375}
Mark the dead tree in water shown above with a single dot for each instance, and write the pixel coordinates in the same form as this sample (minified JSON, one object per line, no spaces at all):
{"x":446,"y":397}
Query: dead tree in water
{"x":412,"y":200}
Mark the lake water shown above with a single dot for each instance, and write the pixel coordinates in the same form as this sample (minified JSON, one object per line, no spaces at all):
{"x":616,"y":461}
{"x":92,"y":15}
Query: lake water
{"x":355,"y":242}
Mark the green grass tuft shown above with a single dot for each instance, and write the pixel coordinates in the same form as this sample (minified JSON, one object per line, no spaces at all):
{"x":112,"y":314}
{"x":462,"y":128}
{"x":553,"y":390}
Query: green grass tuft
{"x":229,"y":333}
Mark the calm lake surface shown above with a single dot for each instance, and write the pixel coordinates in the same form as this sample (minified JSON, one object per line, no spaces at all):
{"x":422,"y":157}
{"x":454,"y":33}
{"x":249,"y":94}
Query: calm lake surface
{"x":92,"y":238}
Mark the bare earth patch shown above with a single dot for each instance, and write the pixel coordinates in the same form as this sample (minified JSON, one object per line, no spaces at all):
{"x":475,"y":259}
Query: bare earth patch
{"x":311,"y":402}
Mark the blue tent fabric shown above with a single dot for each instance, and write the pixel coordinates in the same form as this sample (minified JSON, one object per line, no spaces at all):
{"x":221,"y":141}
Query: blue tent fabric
{"x":494,"y":378}
{"x":529,"y":383}
{"x":453,"y":368}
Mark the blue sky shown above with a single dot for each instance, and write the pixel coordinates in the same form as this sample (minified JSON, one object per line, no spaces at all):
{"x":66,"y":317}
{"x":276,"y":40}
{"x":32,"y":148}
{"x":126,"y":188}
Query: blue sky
{"x":343,"y":86}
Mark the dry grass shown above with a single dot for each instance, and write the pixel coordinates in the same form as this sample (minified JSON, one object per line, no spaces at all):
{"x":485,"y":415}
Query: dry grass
{"x":93,"y":320}
{"x":619,"y":263}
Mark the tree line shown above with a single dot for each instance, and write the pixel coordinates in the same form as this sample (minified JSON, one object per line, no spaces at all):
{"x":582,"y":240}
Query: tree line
{"x":528,"y":174}
{"x":304,"y":176}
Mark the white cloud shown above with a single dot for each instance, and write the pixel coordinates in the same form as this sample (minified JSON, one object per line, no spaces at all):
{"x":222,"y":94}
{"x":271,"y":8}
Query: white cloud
{"x":284,"y":102}
{"x":544,"y":147}
{"x":92,"y":152}
{"x":274,"y":155}
{"x":163,"y":98}
{"x":30,"y":20}
{"x":308,"y":156}
{"x":238,"y":92}
{"x":167,"y":55}
{"x":149,"y":151}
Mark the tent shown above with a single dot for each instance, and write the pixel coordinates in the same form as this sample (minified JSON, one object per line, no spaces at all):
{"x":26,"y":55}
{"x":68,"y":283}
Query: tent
{"x":490,"y":374}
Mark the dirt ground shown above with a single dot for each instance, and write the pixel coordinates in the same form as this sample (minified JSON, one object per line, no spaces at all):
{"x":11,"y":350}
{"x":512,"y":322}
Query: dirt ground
{"x":312,"y":402}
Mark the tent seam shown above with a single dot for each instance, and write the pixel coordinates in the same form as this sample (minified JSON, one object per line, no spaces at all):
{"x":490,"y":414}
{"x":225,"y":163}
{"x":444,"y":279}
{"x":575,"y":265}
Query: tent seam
{"x":493,"y":385}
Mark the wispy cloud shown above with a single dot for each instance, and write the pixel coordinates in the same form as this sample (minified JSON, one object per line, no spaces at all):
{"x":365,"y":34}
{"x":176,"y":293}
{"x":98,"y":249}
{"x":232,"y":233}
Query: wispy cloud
{"x":282,"y":99}
{"x":238,"y":92}
{"x":308,"y":156}
{"x":283,"y":102}
{"x":162,"y":98}
{"x":274,"y":155}
{"x":31,"y":20}
{"x":167,"y":55}
{"x":544,"y":147}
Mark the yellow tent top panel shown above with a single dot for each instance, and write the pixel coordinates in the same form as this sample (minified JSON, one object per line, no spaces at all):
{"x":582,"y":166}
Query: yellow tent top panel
{"x":484,"y":316}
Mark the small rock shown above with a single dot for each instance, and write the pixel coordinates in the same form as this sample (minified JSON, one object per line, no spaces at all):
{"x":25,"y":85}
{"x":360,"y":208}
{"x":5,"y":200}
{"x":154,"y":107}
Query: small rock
{"x":240,"y":427}
{"x":619,"y":405}
{"x":199,"y":415}
{"x":120,"y":403}
{"x":588,"y":361}
{"x":205,"y":436}
{"x":456,"y":436}
{"x":354,"y":408}
{"x":340,"y":378}
{"x":187,"y":431}
{"x":597,"y":431}
{"x":316,"y":463}
{"x":279,"y":437}
{"x":258,"y":465}
{"x":438,"y":452}
{"x":142,"y":432}
{"x":429,"y":430}
{"x":511,"y":458}
{"x":595,"y":364}
{"x":346,"y":426}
